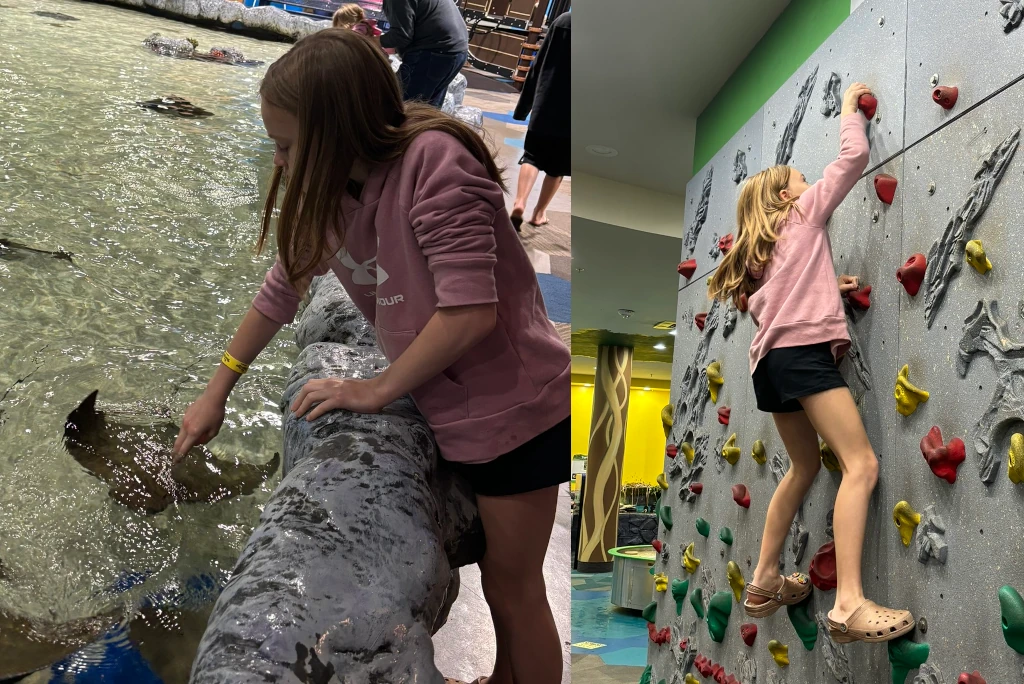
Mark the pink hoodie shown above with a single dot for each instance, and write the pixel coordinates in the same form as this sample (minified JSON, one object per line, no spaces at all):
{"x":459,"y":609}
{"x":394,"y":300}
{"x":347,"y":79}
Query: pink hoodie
{"x":430,"y":230}
{"x":796,"y":302}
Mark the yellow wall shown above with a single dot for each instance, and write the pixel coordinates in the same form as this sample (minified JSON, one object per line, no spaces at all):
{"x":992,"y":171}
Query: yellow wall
{"x":645,"y":438}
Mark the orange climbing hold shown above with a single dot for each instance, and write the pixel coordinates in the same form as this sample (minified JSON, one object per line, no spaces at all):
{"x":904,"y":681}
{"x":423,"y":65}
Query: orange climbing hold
{"x":724,"y":413}
{"x":945,"y":96}
{"x":867,"y":104}
{"x":741,"y":495}
{"x":911,"y":274}
{"x":687,"y":268}
{"x":823,"y":567}
{"x":860,"y":299}
{"x":885,"y":187}
{"x":973,"y":678}
{"x":699,"y":320}
{"x":944,"y":460}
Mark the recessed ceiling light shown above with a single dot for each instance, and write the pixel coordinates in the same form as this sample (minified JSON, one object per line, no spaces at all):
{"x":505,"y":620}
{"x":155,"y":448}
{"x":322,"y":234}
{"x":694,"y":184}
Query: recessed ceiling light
{"x":602,"y":151}
{"x":660,"y":346}
{"x":587,"y":385}
{"x":625,"y":313}
{"x":672,"y":333}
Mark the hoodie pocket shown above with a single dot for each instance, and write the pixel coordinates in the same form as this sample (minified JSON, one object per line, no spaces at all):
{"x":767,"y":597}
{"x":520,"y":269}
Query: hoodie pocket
{"x":440,"y":399}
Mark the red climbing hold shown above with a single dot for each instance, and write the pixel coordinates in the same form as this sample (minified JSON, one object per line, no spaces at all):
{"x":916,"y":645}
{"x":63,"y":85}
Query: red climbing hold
{"x":867,"y":104}
{"x":699,"y":320}
{"x":973,"y":678}
{"x":911,"y":274}
{"x":717,"y":673}
{"x":683,"y":644}
{"x":740,"y":495}
{"x":697,"y":487}
{"x":743,"y":303}
{"x":885,"y":187}
{"x":723,"y":415}
{"x":944,"y":460}
{"x":703,"y":665}
{"x":671,"y":451}
{"x":860,"y":299}
{"x":823,"y":567}
{"x":657,"y":544}
{"x":748,"y":633}
{"x":660,"y":636}
{"x":731,"y":679}
{"x":687,"y":268}
{"x":725,"y":243}
{"x":945,"y":96}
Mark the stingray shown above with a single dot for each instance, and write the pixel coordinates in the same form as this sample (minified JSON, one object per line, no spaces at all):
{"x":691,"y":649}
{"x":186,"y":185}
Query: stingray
{"x":175,"y":106}
{"x":135,"y":462}
{"x":15,"y":251}
{"x":55,"y":15}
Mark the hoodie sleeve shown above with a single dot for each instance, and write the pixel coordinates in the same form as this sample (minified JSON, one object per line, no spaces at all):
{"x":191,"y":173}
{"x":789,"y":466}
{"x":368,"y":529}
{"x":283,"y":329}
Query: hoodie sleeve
{"x":401,"y":15}
{"x":822,"y":198}
{"x":277,"y":299}
{"x":454,"y":204}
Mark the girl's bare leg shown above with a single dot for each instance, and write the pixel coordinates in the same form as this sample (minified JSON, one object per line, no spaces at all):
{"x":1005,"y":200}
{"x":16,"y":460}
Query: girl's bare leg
{"x":527,"y":177}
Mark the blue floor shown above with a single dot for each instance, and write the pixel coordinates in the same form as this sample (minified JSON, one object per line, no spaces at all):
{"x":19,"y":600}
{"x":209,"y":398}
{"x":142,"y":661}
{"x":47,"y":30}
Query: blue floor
{"x":557,"y":297}
{"x":621,"y":633}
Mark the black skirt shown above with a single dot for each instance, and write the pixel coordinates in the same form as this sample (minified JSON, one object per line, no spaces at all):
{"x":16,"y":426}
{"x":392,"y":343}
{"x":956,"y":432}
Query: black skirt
{"x":549,"y":153}
{"x":787,"y":374}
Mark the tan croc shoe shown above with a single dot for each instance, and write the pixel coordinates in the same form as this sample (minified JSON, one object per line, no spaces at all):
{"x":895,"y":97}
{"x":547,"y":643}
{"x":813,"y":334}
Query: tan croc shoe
{"x":792,"y":589}
{"x":871,"y":623}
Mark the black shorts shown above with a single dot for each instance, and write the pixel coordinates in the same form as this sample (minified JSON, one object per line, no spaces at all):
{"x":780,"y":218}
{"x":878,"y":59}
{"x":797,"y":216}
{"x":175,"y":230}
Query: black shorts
{"x":551,"y":154}
{"x":540,"y":463}
{"x":789,"y":373}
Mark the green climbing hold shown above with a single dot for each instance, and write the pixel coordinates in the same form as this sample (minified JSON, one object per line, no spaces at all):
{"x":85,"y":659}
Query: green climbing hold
{"x":651,"y":611}
{"x":665,"y":513}
{"x":805,"y":625}
{"x":697,"y":601}
{"x":703,"y":527}
{"x":679,"y":589}
{"x":718,"y":615}
{"x":904,"y":656}
{"x":726,"y":535}
{"x":1011,"y":606}
{"x":645,"y":678}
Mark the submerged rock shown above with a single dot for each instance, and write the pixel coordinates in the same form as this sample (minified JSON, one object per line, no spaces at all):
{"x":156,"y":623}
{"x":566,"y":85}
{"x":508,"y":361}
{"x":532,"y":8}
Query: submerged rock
{"x":55,"y":15}
{"x":175,"y":106}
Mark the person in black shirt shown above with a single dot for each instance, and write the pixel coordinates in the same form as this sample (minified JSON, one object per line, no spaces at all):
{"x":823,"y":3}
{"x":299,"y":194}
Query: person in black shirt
{"x":431,"y":38}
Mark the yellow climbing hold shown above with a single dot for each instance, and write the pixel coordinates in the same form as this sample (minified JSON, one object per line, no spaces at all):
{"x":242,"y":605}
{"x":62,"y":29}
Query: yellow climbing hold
{"x":687,"y":450}
{"x":690,"y":679}
{"x":736,"y":581}
{"x":907,"y":395}
{"x":828,"y":457}
{"x":660,"y":582}
{"x":1016,"y":461}
{"x":715,"y":380}
{"x":731,"y":452}
{"x":780,"y":652}
{"x":662,"y":482}
{"x":758,"y":453}
{"x":976,"y":257}
{"x":907,"y":520}
{"x":690,"y":562}
{"x":667,"y":419}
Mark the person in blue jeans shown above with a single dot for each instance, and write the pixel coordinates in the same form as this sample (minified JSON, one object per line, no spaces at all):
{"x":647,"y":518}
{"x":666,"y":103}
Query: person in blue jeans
{"x":432,"y":39}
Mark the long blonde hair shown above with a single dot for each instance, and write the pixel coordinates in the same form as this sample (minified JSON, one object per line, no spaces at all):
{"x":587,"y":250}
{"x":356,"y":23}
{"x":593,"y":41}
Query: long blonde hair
{"x":759,"y":213}
{"x":347,"y":16}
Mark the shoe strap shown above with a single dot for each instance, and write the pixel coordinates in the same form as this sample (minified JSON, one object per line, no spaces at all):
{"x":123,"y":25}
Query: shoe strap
{"x":764,"y":593}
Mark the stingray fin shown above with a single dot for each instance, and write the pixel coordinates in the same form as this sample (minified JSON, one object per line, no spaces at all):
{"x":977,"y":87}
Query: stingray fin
{"x":83,"y":417}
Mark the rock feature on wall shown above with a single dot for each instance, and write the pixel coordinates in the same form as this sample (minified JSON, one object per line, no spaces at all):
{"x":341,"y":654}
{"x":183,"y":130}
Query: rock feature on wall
{"x":233,"y":16}
{"x":1012,"y":11}
{"x":931,"y":537}
{"x":784,"y":150}
{"x":739,"y":166}
{"x":693,"y":395}
{"x":690,"y":475}
{"x":832,"y":99}
{"x":929,"y":674}
{"x":836,"y":660}
{"x":946,"y":256}
{"x":693,"y":231}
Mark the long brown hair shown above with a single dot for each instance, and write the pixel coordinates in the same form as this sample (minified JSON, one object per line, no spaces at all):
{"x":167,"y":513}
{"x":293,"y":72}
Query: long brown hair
{"x":349,"y":106}
{"x":759,"y":213}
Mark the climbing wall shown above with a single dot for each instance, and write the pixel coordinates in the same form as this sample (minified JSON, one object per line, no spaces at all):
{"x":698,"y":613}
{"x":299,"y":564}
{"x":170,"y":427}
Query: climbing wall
{"x":961,"y":337}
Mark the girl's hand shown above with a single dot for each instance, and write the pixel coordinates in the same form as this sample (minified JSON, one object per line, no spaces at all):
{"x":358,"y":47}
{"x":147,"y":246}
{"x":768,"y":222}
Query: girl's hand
{"x":358,"y":396}
{"x":848,"y":283}
{"x":853,"y":94}
{"x":201,"y":423}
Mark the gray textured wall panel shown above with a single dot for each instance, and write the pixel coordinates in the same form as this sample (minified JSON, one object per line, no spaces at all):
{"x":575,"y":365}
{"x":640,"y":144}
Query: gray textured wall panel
{"x":965,"y":45}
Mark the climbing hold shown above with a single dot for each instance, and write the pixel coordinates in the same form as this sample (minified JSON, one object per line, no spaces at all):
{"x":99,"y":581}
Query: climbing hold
{"x":828,"y":458}
{"x":943,"y":460}
{"x":805,"y":626}
{"x":687,"y":268}
{"x":922,"y":625}
{"x":717,"y":673}
{"x":690,"y":562}
{"x":697,"y":601}
{"x":748,"y":632}
{"x":645,"y":678}
{"x":715,"y":380}
{"x":671,"y":450}
{"x":658,"y":545}
{"x":1011,"y":607}
{"x":725,"y":534}
{"x":973,"y":678}
{"x":931,"y":540}
{"x":885,"y":187}
{"x":823,"y":567}
{"x":650,"y":612}
{"x":1015,"y":466}
{"x":679,"y":589}
{"x":718,"y":615}
{"x":740,"y":495}
{"x":907,"y":395}
{"x":687,"y":450}
{"x":703,"y":527}
{"x":743,"y":303}
{"x":697,"y":487}
{"x":665,"y":512}
{"x":780,"y":652}
{"x":907,"y":520}
{"x":975,"y":253}
{"x":867,"y":104}
{"x":662,"y":482}
{"x":699,"y":320}
{"x":661,"y":582}
{"x":911,"y":274}
{"x":731,"y":452}
{"x":725,"y":243}
{"x":723,"y":415}
{"x":758,"y":453}
{"x":860,"y":299}
{"x":736,"y":581}
{"x":703,"y":665}
{"x":690,"y":679}
{"x":659,"y":636}
{"x":904,"y":656}
{"x":945,"y":96}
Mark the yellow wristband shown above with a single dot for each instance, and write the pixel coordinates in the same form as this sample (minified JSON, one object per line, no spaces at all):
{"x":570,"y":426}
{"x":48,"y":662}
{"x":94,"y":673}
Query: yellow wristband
{"x":234,"y":364}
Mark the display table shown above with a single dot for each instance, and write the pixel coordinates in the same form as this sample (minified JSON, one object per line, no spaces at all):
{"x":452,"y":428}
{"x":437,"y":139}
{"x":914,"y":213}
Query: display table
{"x":632,"y":581}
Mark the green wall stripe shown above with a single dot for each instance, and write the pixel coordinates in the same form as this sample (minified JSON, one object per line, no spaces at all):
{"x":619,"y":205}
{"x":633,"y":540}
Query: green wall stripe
{"x":800,"y":30}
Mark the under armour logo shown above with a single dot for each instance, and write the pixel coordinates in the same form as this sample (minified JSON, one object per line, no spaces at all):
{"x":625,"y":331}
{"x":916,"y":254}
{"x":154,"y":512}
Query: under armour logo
{"x":366,"y":273}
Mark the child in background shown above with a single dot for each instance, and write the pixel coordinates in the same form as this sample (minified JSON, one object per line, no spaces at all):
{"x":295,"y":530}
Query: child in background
{"x":782,"y":261}
{"x":351,"y":16}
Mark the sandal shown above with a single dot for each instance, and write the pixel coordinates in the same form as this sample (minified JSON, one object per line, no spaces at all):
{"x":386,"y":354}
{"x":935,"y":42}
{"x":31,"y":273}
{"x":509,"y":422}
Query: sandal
{"x":793,"y":590}
{"x":517,"y":223}
{"x":871,"y":623}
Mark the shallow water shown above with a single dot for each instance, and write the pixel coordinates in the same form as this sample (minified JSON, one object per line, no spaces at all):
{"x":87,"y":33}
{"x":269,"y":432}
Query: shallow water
{"x":161,"y":215}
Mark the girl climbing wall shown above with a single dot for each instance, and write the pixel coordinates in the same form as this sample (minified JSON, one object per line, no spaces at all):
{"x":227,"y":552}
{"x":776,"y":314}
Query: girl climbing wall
{"x":782,"y":265}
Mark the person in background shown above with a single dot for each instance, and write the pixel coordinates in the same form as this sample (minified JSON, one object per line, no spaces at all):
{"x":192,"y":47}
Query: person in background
{"x":431,"y":38}
{"x":545,"y":98}
{"x":351,"y":16}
